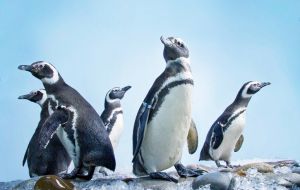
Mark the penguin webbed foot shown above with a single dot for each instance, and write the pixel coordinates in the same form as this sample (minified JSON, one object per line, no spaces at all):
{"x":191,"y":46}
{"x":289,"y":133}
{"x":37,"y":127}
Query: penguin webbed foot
{"x":103,"y":172}
{"x":187,"y":172}
{"x":228,"y":164}
{"x":67,"y":176}
{"x":218,"y":163}
{"x":90,"y":174}
{"x":71,"y":175}
{"x":163,"y":176}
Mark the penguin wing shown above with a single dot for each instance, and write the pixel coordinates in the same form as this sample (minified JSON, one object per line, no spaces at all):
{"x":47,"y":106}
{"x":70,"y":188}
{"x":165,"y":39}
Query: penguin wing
{"x":58,"y":117}
{"x":142,"y":117}
{"x":218,"y":129}
{"x":25,"y":156}
{"x":192,"y":138}
{"x":217,"y":135}
{"x":239,"y":143}
{"x":140,"y":127}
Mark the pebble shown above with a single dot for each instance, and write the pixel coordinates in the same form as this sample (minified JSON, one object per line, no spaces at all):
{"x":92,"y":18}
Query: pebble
{"x":261,"y":168}
{"x":217,"y":180}
{"x":52,"y":182}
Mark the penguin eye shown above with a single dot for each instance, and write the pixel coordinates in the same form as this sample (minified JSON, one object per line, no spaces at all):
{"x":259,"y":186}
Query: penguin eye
{"x":179,"y":43}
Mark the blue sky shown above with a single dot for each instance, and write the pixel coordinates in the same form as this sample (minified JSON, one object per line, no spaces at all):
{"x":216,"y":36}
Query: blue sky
{"x":97,"y":45}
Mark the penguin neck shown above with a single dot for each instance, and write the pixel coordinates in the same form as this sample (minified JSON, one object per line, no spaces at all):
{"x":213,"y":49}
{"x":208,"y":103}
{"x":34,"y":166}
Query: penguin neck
{"x":180,"y":64}
{"x":44,"y":111}
{"x":241,"y":101}
{"x":53,"y":87}
{"x":112,"y":104}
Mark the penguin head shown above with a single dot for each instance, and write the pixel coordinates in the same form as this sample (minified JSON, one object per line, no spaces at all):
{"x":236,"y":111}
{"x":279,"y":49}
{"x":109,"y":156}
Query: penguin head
{"x":116,"y":93}
{"x":38,"y":96}
{"x":42,"y":70}
{"x":252,"y":87}
{"x":174,"y":48}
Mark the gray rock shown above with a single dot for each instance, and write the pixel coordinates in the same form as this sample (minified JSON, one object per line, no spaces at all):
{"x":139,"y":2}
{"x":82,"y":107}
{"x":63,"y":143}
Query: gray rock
{"x":217,"y":180}
{"x":296,"y":170}
{"x":294,"y":178}
{"x":9,"y":185}
{"x":258,"y":176}
{"x":25,"y":185}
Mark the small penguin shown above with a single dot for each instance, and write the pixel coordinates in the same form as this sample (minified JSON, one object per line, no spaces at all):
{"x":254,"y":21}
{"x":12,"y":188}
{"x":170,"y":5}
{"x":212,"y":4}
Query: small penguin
{"x":164,"y":118}
{"x":45,"y":163}
{"x":112,"y":115}
{"x":225,"y":135}
{"x":76,"y":123}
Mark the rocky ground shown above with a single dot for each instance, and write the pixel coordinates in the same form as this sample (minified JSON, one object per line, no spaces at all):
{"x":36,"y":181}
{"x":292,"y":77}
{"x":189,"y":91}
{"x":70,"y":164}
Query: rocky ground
{"x":279,"y":175}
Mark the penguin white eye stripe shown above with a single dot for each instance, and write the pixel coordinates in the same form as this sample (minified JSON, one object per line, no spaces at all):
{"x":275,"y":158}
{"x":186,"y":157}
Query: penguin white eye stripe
{"x":244,"y":93}
{"x":54,"y":78}
{"x":44,"y":98}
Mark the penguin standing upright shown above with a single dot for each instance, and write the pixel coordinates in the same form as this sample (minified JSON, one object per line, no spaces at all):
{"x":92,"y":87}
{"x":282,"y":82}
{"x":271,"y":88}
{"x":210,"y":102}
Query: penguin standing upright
{"x":45,"y":163}
{"x":76,"y":123}
{"x":164,"y":118}
{"x":225,"y":135}
{"x":112,"y":115}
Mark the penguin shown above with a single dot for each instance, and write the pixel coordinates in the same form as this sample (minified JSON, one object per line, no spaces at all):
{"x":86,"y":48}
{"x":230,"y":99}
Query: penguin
{"x":112,"y":114}
{"x":45,"y":163}
{"x":225,"y":135}
{"x":76,"y":123}
{"x":163,"y":120}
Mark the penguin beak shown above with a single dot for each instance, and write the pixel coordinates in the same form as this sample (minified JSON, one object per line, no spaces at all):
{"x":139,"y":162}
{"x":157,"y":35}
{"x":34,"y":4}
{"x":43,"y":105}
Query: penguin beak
{"x":263,"y":84}
{"x":26,"y":96}
{"x":166,"y":42}
{"x":25,"y":67}
{"x":126,"y":88}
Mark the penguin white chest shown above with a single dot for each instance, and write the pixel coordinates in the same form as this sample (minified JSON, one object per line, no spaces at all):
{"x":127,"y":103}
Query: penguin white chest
{"x":230,"y":138}
{"x":167,"y":131}
{"x":116,"y":131}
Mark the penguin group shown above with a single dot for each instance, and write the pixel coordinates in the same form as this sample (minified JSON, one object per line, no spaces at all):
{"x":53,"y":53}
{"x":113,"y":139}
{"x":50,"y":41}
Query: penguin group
{"x":71,"y":131}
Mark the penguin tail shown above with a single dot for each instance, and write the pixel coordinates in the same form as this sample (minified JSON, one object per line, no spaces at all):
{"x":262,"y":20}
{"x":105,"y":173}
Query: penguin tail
{"x":138,"y":169}
{"x":105,"y":159}
{"x":204,"y":154}
{"x":110,"y":163}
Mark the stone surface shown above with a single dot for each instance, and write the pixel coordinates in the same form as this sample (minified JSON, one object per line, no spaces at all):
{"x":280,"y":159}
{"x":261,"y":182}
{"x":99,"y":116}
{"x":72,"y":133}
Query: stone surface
{"x":254,"y":176}
{"x":296,"y":170}
{"x":217,"y":180}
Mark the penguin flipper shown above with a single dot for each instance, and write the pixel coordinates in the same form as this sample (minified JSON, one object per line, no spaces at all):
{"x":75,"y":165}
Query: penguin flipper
{"x":217,"y":135}
{"x":140,"y":128}
{"x":239,"y":143}
{"x":192,"y":138}
{"x":25,"y":156}
{"x":58,"y":117}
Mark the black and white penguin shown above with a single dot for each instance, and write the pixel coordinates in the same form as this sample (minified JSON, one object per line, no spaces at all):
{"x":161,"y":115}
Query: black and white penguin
{"x":164,"y":118}
{"x":45,"y":163}
{"x":76,"y":123}
{"x":225,"y":135}
{"x":112,"y":115}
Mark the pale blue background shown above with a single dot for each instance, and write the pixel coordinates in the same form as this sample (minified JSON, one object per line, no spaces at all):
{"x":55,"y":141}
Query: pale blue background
{"x":97,"y":45}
